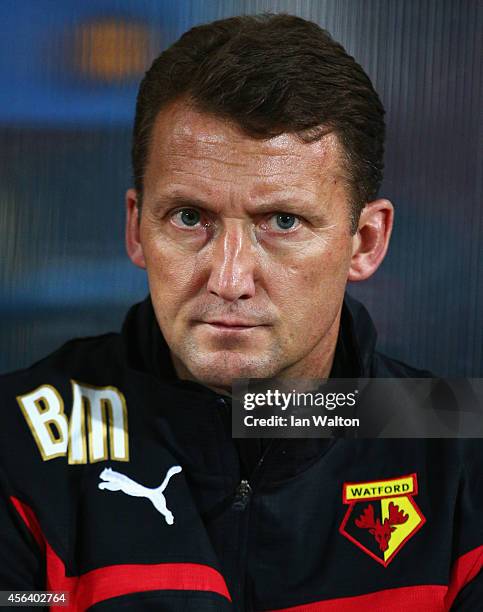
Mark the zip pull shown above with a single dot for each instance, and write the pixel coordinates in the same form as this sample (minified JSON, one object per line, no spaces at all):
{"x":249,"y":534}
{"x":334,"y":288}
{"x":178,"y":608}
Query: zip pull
{"x":242,"y":495}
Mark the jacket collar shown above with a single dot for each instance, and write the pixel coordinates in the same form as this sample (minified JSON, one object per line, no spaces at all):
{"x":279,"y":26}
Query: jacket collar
{"x":361,"y":335}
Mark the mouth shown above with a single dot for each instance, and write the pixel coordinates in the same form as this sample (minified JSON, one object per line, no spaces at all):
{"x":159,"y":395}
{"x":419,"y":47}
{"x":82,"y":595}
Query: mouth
{"x":233,"y":325}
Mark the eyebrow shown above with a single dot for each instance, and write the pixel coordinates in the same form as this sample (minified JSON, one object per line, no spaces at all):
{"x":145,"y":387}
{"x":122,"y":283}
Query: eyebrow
{"x":176,"y":200}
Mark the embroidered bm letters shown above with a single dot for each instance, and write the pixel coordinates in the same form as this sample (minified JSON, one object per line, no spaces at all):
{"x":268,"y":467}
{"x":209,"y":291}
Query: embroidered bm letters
{"x":95,"y":431}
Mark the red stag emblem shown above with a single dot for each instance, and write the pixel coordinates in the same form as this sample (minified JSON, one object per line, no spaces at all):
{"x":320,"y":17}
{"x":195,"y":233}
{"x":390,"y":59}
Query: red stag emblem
{"x":381,"y":531}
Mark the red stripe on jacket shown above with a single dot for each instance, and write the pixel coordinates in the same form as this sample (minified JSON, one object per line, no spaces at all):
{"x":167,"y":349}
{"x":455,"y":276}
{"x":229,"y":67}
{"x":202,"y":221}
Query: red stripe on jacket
{"x":116,"y":580}
{"x":421,"y":598}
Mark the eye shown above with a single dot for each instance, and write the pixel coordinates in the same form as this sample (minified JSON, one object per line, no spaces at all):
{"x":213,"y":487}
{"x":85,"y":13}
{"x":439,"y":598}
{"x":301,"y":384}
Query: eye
{"x":283,"y":221}
{"x":187,"y":217}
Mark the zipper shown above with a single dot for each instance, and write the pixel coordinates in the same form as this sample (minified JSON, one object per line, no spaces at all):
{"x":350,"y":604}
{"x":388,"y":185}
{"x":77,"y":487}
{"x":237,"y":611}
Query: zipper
{"x":245,"y":488}
{"x":274,"y":444}
{"x":242,"y":590}
{"x":242,"y":505}
{"x":242,"y":496}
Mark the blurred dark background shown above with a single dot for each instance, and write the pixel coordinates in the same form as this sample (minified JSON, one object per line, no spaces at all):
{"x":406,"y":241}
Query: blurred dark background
{"x":69,"y":73}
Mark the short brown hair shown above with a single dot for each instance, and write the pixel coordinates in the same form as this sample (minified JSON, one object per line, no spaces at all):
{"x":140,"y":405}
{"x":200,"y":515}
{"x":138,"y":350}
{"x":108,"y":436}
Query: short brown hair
{"x":270,"y":74}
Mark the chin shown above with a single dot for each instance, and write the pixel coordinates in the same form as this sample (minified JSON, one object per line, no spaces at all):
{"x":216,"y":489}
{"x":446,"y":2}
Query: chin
{"x":221,"y":368}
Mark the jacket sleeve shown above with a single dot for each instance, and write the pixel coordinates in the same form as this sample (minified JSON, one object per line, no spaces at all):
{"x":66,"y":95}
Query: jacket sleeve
{"x":465,"y":593}
{"x":470,"y":597}
{"x":22,"y":562}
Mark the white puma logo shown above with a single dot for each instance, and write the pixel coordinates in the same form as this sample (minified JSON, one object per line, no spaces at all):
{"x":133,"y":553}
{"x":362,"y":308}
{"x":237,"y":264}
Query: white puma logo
{"x":115,"y":481}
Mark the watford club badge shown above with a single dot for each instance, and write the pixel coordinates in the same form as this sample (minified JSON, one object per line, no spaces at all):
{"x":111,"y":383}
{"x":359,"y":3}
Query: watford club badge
{"x":382,"y":515}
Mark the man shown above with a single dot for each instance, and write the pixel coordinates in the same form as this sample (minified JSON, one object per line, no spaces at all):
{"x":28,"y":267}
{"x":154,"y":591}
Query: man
{"x":257,"y":157}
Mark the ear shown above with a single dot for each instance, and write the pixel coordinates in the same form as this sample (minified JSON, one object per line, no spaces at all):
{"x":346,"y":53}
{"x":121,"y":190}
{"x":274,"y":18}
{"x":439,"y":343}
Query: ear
{"x":133,"y":241}
{"x":370,"y":242}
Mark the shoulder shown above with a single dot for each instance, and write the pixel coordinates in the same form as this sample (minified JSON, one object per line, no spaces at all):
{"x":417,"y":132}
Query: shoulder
{"x":58,"y":418}
{"x":43,"y":407}
{"x":83,"y":358}
{"x":73,"y":355}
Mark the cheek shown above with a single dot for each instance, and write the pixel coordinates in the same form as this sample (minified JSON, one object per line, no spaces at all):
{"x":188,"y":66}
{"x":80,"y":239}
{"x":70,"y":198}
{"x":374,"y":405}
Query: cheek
{"x":173,"y":275}
{"x":308,"y":288}
{"x":317,"y":267}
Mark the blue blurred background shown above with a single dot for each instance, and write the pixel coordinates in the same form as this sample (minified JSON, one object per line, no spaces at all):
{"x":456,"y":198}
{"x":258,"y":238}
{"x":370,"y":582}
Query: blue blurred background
{"x":68,"y":77}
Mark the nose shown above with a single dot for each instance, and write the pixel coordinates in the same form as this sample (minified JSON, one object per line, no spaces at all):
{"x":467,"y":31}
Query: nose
{"x":232,"y":265}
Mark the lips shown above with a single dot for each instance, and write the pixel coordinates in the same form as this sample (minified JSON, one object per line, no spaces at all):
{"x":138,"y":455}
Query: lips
{"x":231,"y":323}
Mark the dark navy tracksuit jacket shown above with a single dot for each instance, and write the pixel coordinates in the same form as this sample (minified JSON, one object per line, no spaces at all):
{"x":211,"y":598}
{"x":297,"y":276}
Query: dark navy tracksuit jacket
{"x":123,"y":486}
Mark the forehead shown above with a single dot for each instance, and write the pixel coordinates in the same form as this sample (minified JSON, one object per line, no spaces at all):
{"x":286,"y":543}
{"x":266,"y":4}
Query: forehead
{"x":188,"y":146}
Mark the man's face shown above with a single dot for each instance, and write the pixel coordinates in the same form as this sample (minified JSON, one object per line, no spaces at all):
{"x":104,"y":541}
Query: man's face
{"x":247,"y":246}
